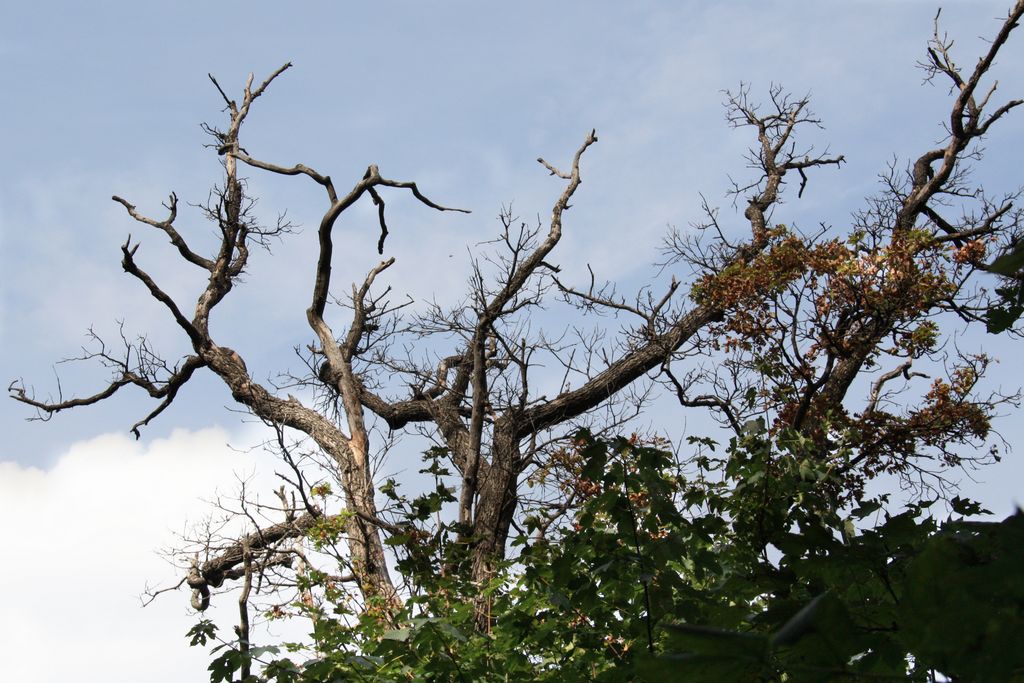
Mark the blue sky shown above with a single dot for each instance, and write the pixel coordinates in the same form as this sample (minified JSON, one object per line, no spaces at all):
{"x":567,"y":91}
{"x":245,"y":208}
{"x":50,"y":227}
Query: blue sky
{"x":106,"y":98}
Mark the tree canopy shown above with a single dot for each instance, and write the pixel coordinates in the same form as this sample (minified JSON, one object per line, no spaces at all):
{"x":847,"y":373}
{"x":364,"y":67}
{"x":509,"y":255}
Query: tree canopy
{"x":545,"y":541}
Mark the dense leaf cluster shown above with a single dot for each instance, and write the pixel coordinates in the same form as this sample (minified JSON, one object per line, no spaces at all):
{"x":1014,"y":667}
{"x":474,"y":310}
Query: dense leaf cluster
{"x":743,"y":569}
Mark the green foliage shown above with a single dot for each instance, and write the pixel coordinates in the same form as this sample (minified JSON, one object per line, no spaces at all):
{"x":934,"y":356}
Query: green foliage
{"x":1002,"y":316}
{"x":745,"y":568}
{"x":202,"y":632}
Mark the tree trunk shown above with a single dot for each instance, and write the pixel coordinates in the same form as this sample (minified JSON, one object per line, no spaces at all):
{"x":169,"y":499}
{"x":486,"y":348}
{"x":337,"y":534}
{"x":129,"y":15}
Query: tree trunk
{"x":496,"y":505}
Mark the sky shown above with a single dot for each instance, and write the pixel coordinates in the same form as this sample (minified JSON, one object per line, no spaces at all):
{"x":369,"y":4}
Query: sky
{"x":106,"y":98}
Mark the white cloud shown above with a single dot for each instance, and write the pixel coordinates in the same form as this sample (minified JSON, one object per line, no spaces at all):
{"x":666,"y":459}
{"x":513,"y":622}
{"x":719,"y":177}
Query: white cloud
{"x":81,"y":545}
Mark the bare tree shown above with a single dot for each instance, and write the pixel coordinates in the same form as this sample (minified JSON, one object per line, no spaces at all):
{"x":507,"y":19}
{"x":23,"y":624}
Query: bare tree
{"x":776,"y":323}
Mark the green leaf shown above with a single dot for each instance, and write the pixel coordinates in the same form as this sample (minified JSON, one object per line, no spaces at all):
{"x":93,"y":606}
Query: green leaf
{"x":222,"y":668}
{"x":705,"y":640}
{"x":1001,"y":318}
{"x":753,"y":427}
{"x":866,"y":508}
{"x":1011,"y":263}
{"x":202,"y":632}
{"x":397,"y":539}
{"x":399,"y":634}
{"x":799,"y":624}
{"x":257,"y":652}
{"x":962,"y":609}
{"x":967,"y":507}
